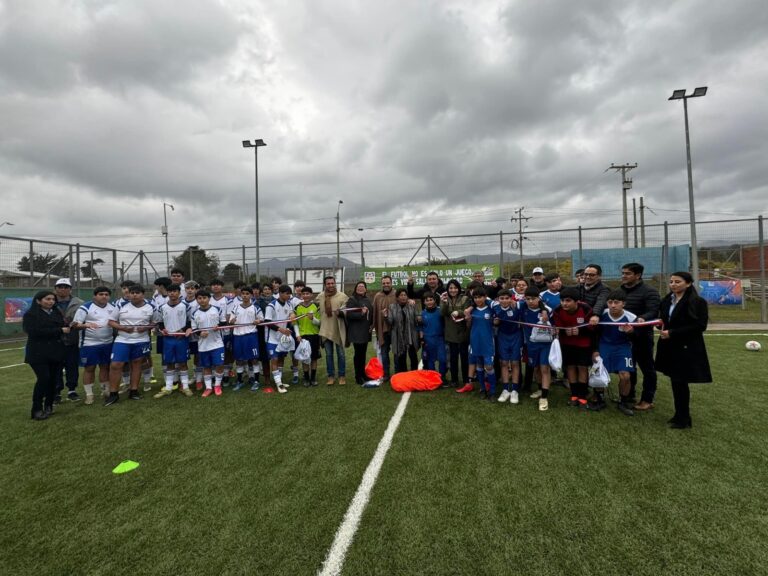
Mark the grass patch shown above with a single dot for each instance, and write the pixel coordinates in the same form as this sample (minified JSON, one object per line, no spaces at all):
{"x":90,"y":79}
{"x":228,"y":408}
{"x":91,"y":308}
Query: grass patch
{"x":257,"y":483}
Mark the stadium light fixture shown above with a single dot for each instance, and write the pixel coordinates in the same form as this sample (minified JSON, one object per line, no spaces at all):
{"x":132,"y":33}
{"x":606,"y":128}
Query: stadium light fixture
{"x":680,"y":95}
{"x":256,"y":144}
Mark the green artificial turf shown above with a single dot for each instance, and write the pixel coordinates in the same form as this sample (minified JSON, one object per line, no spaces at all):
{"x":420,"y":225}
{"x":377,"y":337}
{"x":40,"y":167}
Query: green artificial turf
{"x":258,"y":483}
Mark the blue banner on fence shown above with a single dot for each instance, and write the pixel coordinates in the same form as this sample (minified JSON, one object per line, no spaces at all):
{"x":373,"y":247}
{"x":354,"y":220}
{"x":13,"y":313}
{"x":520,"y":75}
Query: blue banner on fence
{"x":612,"y":259}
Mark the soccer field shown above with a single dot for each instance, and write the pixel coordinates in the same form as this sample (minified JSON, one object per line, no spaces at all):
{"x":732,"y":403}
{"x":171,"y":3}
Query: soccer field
{"x":254,"y":483}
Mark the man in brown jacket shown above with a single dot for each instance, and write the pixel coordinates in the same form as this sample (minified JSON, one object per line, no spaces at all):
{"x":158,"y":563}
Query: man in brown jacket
{"x":381,"y":302}
{"x":333,"y":331}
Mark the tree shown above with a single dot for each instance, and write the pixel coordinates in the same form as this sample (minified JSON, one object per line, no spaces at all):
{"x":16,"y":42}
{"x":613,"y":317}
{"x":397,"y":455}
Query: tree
{"x":88,"y":268}
{"x":197,"y":264}
{"x":232,"y":273}
{"x":50,"y":263}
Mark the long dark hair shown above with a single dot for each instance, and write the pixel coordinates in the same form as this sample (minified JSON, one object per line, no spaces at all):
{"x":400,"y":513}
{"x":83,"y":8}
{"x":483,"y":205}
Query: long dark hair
{"x":454,"y":282}
{"x":39,"y":296}
{"x":691,"y":293}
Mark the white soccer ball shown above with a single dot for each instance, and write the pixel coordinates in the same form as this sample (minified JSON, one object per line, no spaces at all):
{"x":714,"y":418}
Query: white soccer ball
{"x":753,"y":345}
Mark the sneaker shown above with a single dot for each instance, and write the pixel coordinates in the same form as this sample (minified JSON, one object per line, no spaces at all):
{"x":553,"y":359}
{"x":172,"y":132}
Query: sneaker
{"x":238,"y":386}
{"x":282,"y":388}
{"x":134,"y":395}
{"x":208,"y":392}
{"x":73,"y":396}
{"x":187,"y":392}
{"x":330,"y":381}
{"x":198,"y":385}
{"x":536,"y":394}
{"x":574,"y":401}
{"x":307,"y":383}
{"x":163,"y":393}
{"x":543,"y":404}
{"x":88,"y":399}
{"x":626,"y":410}
{"x":217,"y":390}
{"x":314,"y":382}
{"x":147,"y":387}
{"x":295,"y":379}
{"x":113,"y":398}
{"x":514,"y":397}
{"x":505,"y":394}
{"x":466,"y":388}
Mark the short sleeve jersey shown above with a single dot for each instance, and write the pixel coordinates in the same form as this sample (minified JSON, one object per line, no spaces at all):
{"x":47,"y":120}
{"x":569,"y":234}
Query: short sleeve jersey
{"x":611,"y":330}
{"x":245,"y":315}
{"x":481,"y":332}
{"x":92,"y":313}
{"x":174,"y":318}
{"x":130,"y":315}
{"x":205,"y":320}
{"x":277,"y":312}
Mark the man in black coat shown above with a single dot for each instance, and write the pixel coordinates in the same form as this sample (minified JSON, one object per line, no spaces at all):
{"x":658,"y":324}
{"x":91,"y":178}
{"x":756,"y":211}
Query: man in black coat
{"x":642,"y":300}
{"x":433,"y":285}
{"x":593,"y":291}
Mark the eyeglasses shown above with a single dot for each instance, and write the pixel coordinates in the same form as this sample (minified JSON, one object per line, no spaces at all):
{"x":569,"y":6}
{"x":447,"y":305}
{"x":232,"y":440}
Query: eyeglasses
{"x":589,"y":274}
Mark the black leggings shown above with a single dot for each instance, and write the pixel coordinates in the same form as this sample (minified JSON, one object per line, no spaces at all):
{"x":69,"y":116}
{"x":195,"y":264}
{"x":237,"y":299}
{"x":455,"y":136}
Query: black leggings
{"x":459,"y":350}
{"x":359,"y":361}
{"x":45,"y":387}
{"x":401,"y":360}
{"x":682,"y":395}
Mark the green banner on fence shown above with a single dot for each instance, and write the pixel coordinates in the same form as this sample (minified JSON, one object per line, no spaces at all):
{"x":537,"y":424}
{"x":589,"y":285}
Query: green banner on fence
{"x":461,"y":272}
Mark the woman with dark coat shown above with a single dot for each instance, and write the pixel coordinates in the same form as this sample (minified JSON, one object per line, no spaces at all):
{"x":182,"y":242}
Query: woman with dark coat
{"x":359,"y":323}
{"x":452,"y":305}
{"x":681,"y":353}
{"x":45,"y":328}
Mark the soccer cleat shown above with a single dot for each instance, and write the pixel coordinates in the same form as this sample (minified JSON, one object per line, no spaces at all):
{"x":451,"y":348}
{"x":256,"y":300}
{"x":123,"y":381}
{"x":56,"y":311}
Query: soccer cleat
{"x":255,"y":386}
{"x":574,"y":401}
{"x":175,"y":386}
{"x":134,"y":395}
{"x":238,"y":386}
{"x":187,"y":392}
{"x":88,"y":399}
{"x":282,"y":388}
{"x":152,"y":380}
{"x":198,"y":385}
{"x":113,"y":398}
{"x":217,"y":390}
{"x":536,"y":394}
{"x":163,"y":393}
{"x":626,"y":410}
{"x":514,"y":397}
{"x":505,"y":394}
{"x":147,"y":387}
{"x":466,"y":388}
{"x":73,"y":396}
{"x":596,"y":406}
{"x":295,"y":379}
{"x":208,"y":392}
{"x":543,"y":404}
{"x":314,"y":382}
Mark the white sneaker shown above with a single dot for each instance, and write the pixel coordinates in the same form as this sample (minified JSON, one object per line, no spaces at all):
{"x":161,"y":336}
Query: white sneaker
{"x":536,"y":394}
{"x":504,"y":396}
{"x":282,"y":388}
{"x":88,"y":399}
{"x":543,"y":404}
{"x":514,"y":397}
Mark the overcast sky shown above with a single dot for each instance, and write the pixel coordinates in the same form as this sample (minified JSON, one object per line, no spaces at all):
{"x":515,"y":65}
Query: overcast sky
{"x":424,"y":117}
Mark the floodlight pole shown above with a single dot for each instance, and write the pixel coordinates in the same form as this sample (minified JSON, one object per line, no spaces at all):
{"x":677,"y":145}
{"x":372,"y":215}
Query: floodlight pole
{"x":338,"y":231}
{"x":255,"y":145}
{"x":165,"y":233}
{"x":680,"y":95}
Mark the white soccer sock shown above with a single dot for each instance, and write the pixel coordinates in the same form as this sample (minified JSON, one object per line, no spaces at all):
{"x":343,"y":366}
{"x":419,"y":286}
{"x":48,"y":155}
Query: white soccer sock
{"x":147,"y":374}
{"x":169,"y":380}
{"x":208,"y":383}
{"x":88,"y":389}
{"x":198,"y":374}
{"x":126,"y":378}
{"x":185,"y":380}
{"x":218,"y":377}
{"x":277,"y":376}
{"x":240,"y":369}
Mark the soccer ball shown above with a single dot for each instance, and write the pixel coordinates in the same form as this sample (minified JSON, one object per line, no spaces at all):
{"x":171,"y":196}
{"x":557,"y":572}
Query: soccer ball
{"x":753,"y":345}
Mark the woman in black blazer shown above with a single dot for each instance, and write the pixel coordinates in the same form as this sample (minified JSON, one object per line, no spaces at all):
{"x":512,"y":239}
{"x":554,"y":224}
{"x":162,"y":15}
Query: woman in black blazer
{"x":45,"y":327}
{"x":681,"y":353}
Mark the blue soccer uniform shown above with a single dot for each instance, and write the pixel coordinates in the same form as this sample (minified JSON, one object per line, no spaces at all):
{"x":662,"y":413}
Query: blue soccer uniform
{"x":615,"y":344}
{"x":433,"y":332}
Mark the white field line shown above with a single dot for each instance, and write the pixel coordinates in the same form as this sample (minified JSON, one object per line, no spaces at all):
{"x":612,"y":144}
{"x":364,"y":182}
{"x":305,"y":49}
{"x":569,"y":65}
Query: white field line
{"x":10,"y":349}
{"x":334,"y":561}
{"x":739,"y":334}
{"x":11,"y":366}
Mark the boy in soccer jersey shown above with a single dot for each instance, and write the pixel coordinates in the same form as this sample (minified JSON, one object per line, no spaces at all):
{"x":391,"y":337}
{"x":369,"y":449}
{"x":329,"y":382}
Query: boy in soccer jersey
{"x":210,"y":346}
{"x":576,"y":343}
{"x":432,"y":335}
{"x":190,"y":299}
{"x":616,"y":346}
{"x":174,"y":324}
{"x":538,"y":340}
{"x":509,"y":344}
{"x":309,"y":328}
{"x":551,"y":296}
{"x":133,"y":323}
{"x":281,"y":313}
{"x":95,"y":340}
{"x":479,"y":318}
{"x":220,"y":301}
{"x":262,"y":296}
{"x":245,"y":344}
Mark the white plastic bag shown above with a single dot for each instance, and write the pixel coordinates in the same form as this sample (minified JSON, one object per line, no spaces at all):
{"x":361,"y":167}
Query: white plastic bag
{"x":555,"y":356}
{"x":303,"y":351}
{"x":542,"y":333}
{"x":286,"y":343}
{"x":598,"y":375}
{"x":372,"y":383}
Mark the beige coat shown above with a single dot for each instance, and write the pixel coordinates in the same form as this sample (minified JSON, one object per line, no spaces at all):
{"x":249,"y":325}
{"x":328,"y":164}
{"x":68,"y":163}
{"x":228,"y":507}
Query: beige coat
{"x":332,"y":328}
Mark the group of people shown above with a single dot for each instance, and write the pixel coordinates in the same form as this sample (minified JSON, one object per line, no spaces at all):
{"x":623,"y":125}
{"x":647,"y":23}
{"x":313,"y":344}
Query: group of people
{"x":486,"y":330}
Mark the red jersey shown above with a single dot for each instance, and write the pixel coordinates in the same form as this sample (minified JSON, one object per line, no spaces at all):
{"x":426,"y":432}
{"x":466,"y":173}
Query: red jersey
{"x":580,"y":317}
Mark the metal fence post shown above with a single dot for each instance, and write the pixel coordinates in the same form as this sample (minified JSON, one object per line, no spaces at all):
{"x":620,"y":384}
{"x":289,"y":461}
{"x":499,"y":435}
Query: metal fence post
{"x":77,"y":266}
{"x":301,"y":262}
{"x":243,"y":272}
{"x":501,"y":253}
{"x":429,"y":249}
{"x":665,"y":257}
{"x":114,"y":269}
{"x":141,"y":267}
{"x":191,"y":264}
{"x":70,"y":261}
{"x":362,"y":255}
{"x":761,"y":247}
{"x":31,"y":263}
{"x":581,"y":250}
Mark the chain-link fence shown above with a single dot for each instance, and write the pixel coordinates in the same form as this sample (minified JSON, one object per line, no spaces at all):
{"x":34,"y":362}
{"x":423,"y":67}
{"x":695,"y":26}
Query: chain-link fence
{"x":729,"y":251}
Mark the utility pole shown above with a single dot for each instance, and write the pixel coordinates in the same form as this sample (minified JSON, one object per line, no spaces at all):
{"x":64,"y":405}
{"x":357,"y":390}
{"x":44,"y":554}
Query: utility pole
{"x":626,"y":184}
{"x":642,"y":223}
{"x":634,"y":220}
{"x":520,"y":219}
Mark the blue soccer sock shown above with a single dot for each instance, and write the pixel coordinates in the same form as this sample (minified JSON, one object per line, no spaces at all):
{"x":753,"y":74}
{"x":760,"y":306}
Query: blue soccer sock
{"x":480,"y":379}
